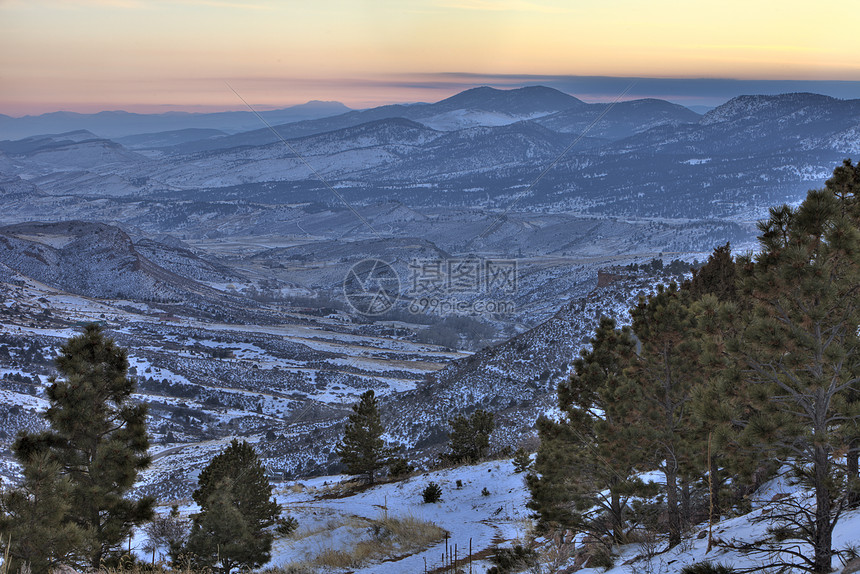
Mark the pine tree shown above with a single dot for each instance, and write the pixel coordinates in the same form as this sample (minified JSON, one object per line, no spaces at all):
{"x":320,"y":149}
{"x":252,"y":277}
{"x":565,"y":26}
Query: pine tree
{"x":719,"y":405}
{"x":233,"y":528}
{"x":720,"y":401}
{"x":98,"y":439}
{"x":362,"y":449}
{"x":33,"y":518}
{"x":845,"y":186}
{"x":582,"y":477}
{"x":469,"y":438}
{"x":554,"y":478}
{"x":717,"y":277}
{"x":522,"y":460}
{"x":801,"y":352}
{"x":654,"y":393}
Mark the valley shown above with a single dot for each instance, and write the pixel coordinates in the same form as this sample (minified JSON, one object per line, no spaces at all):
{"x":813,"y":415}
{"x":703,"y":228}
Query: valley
{"x":233,"y":262}
{"x":220,"y":263}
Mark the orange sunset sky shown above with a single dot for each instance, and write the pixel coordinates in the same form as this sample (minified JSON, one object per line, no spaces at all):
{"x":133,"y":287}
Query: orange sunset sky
{"x":154,"y":55}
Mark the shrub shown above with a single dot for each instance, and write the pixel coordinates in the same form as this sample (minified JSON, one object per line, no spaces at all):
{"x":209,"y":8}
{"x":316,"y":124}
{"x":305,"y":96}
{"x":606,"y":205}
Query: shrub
{"x":166,"y":532}
{"x":600,"y":557}
{"x":399,"y":467}
{"x":286,"y":525}
{"x":707,"y":568}
{"x":782,"y":533}
{"x":432,"y":493}
{"x":512,"y":559}
{"x":522,"y":461}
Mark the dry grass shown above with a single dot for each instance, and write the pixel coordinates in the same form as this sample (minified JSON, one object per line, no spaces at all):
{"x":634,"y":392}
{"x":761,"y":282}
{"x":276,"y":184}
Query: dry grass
{"x":413,"y":533}
{"x":338,"y":489}
{"x":336,"y":521}
{"x":295,"y":488}
{"x":292,"y":568}
{"x":388,"y":537}
{"x":4,"y":568}
{"x":332,"y":558}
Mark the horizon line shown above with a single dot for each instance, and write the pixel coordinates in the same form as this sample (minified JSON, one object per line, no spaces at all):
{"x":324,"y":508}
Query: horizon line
{"x":687,"y":91}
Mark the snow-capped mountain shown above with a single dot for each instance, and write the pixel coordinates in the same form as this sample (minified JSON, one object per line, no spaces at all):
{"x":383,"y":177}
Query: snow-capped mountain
{"x":485,"y":146}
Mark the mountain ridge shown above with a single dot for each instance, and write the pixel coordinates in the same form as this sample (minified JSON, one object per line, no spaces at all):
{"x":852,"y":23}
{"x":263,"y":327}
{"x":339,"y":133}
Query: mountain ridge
{"x":119,"y":123}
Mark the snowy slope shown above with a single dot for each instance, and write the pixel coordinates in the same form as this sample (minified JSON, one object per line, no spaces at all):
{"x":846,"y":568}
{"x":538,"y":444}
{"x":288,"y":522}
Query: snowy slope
{"x":333,"y":517}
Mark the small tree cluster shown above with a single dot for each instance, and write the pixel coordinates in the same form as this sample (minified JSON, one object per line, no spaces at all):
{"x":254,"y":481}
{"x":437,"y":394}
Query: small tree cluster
{"x":399,"y":467}
{"x":165,"y":535}
{"x":469,"y":437}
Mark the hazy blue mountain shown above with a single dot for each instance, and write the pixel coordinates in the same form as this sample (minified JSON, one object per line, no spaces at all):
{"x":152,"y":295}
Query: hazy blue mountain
{"x":112,"y":124}
{"x":482,"y":106}
{"x":644,"y":158}
{"x":621,"y":120}
{"x":45,"y":142}
{"x":521,"y":101}
{"x":168,"y":138}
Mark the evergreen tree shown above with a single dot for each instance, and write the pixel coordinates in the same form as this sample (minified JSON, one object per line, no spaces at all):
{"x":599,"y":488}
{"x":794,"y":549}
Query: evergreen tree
{"x":654,"y":393}
{"x":719,"y":405}
{"x":554,"y":479}
{"x":98,"y":439}
{"x":801,"y":352}
{"x":522,"y":460}
{"x":469,"y":438}
{"x":362,"y":449}
{"x":233,"y":528}
{"x":717,"y":277}
{"x":582,"y":476}
{"x":845,"y":186}
{"x":33,"y":518}
{"x":720,"y":401}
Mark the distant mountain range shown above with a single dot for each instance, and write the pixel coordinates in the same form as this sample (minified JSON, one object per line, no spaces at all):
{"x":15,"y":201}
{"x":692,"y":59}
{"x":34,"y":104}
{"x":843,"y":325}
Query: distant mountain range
{"x":481,"y":148}
{"x":112,"y":124}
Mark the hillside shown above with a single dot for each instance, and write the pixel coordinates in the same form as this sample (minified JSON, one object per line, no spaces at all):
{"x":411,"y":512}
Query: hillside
{"x":334,"y":520}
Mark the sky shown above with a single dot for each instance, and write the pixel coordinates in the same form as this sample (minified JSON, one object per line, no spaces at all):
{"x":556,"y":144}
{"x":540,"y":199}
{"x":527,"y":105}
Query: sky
{"x":160,"y":55}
